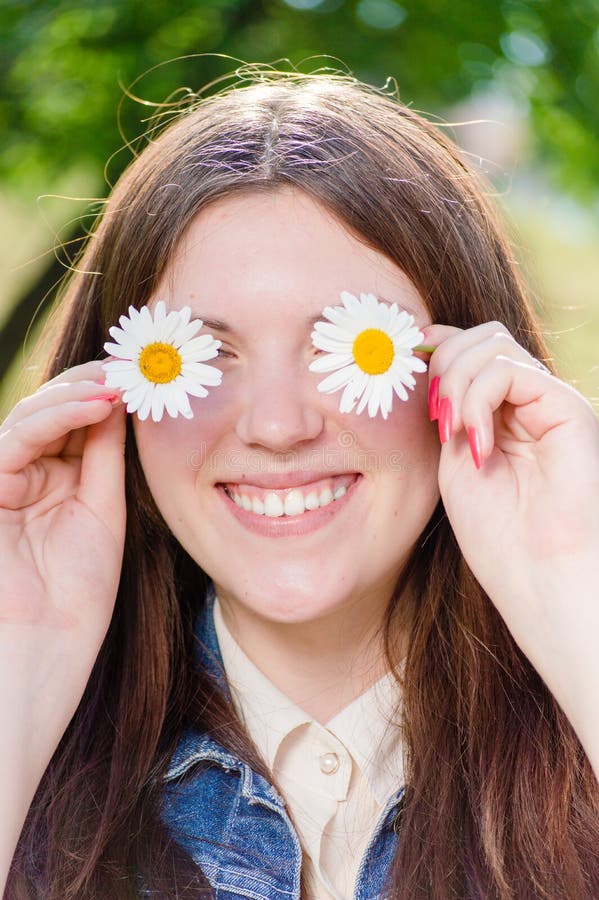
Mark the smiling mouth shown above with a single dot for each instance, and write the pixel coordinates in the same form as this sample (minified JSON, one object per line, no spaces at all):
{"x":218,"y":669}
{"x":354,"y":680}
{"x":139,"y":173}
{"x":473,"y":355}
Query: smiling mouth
{"x":292,"y":501}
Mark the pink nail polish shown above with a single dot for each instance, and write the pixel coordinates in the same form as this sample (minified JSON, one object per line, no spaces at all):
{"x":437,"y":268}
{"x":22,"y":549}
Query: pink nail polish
{"x":445,"y":416}
{"x":110,"y":397}
{"x":474,"y":442}
{"x":433,"y":399}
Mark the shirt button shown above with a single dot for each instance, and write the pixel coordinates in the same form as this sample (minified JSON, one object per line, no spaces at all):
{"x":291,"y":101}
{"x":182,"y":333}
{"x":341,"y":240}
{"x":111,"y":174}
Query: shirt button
{"x":329,"y":763}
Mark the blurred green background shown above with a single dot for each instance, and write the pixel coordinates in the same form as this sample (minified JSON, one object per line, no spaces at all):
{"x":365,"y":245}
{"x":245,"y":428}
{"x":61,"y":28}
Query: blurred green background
{"x":515,"y":82}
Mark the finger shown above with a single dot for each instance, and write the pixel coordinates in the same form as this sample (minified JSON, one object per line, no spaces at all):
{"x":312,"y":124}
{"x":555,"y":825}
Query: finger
{"x":463,"y":369}
{"x":92,"y":370}
{"x":434,"y":335}
{"x":53,"y":395}
{"x":541,"y":402}
{"x":103,"y":471}
{"x":457,"y":341}
{"x":30,"y":438}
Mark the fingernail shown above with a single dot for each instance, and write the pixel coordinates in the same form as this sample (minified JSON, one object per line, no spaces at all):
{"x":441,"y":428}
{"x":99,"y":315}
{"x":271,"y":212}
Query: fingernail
{"x":110,"y":397}
{"x":475,"y":447}
{"x":433,"y":399}
{"x":445,"y":416}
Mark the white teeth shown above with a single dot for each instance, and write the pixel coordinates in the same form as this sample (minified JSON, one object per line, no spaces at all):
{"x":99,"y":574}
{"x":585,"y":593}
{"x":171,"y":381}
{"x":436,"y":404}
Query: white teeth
{"x":294,"y":503}
{"x":311,"y":501}
{"x":325,"y":497}
{"x":273,"y":505}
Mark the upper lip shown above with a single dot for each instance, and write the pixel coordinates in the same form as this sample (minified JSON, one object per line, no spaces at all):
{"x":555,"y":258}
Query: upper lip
{"x":277,"y":481}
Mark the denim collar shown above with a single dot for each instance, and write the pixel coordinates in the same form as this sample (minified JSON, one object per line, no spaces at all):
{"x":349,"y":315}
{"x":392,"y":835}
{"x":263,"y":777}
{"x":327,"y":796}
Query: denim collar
{"x":194,"y":747}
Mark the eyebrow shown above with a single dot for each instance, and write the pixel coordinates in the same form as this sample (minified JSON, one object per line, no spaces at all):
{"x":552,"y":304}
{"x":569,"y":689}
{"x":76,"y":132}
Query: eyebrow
{"x":216,"y":325}
{"x":225,"y":328}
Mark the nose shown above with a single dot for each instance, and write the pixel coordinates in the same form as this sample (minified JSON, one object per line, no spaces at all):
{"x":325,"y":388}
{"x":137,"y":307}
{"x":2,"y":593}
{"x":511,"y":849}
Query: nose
{"x":281,"y":410}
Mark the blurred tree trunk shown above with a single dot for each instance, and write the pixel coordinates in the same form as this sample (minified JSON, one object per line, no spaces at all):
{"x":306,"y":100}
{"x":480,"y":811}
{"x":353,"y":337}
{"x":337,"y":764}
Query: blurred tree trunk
{"x":31,"y":305}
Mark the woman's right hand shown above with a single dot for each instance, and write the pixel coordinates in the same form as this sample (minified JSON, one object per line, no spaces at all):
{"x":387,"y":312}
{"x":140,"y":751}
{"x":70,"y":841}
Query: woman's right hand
{"x":62,"y":529}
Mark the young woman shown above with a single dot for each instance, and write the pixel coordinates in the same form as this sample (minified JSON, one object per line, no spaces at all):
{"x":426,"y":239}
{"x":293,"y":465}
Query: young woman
{"x":266,"y":648}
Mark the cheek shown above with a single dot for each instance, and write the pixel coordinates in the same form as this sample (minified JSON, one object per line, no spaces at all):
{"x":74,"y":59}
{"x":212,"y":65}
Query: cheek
{"x":406,"y":440}
{"x":170,"y":438}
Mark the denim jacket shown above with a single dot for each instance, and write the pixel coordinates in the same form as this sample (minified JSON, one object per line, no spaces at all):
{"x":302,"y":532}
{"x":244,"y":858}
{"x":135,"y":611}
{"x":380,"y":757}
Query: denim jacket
{"x":234,"y":824}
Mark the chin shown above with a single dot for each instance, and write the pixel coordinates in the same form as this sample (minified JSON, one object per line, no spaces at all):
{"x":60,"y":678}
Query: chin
{"x":289,"y":599}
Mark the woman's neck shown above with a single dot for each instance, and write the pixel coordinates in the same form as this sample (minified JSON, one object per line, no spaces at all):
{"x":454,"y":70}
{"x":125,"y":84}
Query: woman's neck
{"x":322,"y":665}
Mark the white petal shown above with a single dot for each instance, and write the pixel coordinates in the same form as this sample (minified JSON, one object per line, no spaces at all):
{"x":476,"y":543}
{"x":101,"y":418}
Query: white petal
{"x":370,"y":304}
{"x":196,"y":390}
{"x":325,"y":343}
{"x":202,"y":373}
{"x":350,"y":302}
{"x":382,"y":317}
{"x":144,"y":409}
{"x":337,"y":380}
{"x":127,"y":325}
{"x":334,"y":332}
{"x":125,"y":380}
{"x":118,"y":334}
{"x":400,"y":390}
{"x":400,"y":319}
{"x":119,"y":352}
{"x":418,"y":365}
{"x":137,"y":402}
{"x":348,"y":398}
{"x":185,"y":316}
{"x":145,"y":326}
{"x":407,"y":338}
{"x":198,"y":347}
{"x":123,"y":340}
{"x":338,"y":315}
{"x":169,"y":327}
{"x":172,"y":400}
{"x":354,"y":391}
{"x":185,"y":332}
{"x":365,"y":395}
{"x":135,"y":395}
{"x":402,"y":377}
{"x":329,"y":361}
{"x":120,"y":365}
{"x":158,"y":402}
{"x":176,"y":399}
{"x":128,"y":344}
{"x":386,"y":390}
{"x":375,"y":399}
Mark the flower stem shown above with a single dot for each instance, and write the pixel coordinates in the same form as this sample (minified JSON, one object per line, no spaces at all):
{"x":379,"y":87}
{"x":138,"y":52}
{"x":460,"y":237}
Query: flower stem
{"x":424,"y":348}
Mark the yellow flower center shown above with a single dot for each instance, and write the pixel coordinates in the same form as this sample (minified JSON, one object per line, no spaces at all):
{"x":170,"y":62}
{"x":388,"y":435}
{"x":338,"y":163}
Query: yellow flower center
{"x":373,"y":351}
{"x":160,"y":363}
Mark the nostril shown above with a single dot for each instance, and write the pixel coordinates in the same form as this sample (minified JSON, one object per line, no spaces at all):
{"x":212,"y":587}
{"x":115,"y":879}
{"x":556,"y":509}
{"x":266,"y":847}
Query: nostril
{"x":278,"y":423}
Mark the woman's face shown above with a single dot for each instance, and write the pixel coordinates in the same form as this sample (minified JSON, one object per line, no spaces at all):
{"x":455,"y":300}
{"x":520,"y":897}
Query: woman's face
{"x":259,"y":269}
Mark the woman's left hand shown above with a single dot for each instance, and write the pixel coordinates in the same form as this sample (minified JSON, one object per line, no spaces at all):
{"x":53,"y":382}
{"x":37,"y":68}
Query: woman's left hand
{"x":526,"y":519}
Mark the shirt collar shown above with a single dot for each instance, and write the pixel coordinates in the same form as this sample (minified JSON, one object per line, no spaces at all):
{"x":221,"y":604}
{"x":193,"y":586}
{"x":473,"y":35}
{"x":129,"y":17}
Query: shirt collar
{"x":269,"y":715}
{"x":367,"y":727}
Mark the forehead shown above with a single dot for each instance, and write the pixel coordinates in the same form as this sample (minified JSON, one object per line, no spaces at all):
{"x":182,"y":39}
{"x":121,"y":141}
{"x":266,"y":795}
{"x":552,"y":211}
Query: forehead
{"x":279,"y":256}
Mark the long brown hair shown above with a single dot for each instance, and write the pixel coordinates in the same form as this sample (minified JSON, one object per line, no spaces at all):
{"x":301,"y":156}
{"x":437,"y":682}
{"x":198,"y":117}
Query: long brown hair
{"x":501,"y":801}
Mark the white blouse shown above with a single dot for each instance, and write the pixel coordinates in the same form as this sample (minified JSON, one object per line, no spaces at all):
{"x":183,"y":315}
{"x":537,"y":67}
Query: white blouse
{"x":335,"y":778}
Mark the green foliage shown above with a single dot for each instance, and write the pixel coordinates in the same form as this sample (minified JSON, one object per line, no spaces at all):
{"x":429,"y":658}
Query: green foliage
{"x":64,"y":63}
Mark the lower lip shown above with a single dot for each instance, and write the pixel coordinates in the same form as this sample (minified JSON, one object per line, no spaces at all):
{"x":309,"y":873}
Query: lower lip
{"x":289,"y":526}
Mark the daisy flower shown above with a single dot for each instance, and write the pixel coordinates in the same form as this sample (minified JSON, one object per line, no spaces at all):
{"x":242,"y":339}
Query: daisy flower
{"x":369,"y":350}
{"x":158,"y":361}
